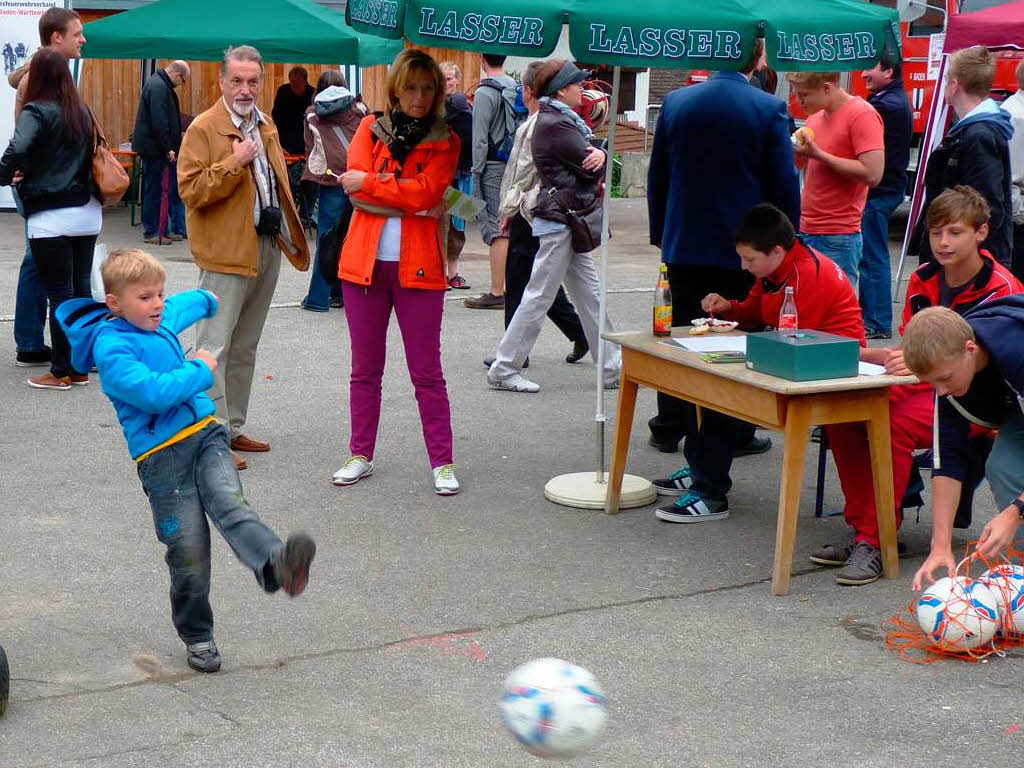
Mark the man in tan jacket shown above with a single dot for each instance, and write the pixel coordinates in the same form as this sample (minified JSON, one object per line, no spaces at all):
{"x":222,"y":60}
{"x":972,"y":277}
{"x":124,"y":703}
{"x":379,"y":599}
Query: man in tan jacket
{"x":240,"y":217}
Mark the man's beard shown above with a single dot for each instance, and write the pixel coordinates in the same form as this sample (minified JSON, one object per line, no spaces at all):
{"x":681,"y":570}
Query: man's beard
{"x":243,"y":108}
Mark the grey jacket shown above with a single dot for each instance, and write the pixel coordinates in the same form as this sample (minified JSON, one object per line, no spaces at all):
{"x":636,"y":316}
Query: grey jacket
{"x":488,"y":120}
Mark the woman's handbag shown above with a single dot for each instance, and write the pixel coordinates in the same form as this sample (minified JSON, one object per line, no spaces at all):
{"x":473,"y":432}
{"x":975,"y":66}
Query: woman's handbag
{"x":110,"y":178}
{"x":584,"y":228}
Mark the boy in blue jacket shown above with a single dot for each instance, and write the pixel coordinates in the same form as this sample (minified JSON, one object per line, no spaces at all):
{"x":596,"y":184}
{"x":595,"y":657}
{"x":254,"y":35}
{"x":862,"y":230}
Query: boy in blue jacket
{"x":183,"y":454}
{"x":974,"y":363}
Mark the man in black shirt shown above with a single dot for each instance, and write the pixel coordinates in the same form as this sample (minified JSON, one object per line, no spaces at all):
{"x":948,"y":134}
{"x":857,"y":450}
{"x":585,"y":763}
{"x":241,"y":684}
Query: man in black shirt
{"x":887,"y":96}
{"x":290,"y":105}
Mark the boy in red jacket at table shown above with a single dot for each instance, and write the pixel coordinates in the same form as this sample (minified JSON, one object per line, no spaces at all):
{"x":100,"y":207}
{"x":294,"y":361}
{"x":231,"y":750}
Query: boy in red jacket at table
{"x":825,"y":300}
{"x":961,"y":277}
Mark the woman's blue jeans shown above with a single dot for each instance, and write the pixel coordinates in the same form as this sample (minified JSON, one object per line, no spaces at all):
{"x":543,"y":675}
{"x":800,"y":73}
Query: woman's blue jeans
{"x":333,"y":202}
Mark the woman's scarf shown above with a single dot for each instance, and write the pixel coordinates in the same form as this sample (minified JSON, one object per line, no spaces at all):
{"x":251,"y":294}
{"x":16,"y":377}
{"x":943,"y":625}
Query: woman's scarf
{"x":565,"y":109}
{"x":406,"y":132}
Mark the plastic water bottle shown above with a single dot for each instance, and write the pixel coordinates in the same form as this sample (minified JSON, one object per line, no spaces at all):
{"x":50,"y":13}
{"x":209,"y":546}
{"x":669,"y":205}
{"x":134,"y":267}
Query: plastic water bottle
{"x":787,"y":315}
{"x":663,"y":305}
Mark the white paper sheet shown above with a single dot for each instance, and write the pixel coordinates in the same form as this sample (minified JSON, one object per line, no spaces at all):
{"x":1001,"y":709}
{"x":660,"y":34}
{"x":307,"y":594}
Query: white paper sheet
{"x":870,"y":369}
{"x":713,"y":343}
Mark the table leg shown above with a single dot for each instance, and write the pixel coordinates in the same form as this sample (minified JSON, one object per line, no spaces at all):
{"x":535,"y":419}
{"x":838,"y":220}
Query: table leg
{"x":798,"y":425}
{"x":620,"y":447}
{"x":880,"y":445}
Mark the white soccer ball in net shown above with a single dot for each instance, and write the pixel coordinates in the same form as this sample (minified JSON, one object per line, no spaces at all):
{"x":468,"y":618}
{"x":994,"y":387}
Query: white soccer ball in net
{"x":553,"y":708}
{"x":1007,"y":584}
{"x":960,"y":613}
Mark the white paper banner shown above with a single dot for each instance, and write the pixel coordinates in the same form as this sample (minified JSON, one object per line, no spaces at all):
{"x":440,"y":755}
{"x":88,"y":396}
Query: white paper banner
{"x":935,"y":43}
{"x":19,"y":37}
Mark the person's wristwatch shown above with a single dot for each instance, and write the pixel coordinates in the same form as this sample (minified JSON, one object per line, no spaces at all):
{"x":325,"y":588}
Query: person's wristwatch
{"x":1019,"y":504}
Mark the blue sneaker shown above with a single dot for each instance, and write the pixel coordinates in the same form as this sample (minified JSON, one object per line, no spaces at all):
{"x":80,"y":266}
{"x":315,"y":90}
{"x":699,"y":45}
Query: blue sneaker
{"x":694,"y":507}
{"x":676,"y":484}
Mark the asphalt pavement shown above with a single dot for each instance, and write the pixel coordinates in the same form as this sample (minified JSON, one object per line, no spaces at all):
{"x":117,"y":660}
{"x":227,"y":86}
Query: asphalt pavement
{"x":419,"y":606}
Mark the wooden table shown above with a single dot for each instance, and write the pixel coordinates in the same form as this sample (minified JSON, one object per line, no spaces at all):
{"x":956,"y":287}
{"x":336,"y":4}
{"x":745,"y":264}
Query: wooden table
{"x":791,"y":407}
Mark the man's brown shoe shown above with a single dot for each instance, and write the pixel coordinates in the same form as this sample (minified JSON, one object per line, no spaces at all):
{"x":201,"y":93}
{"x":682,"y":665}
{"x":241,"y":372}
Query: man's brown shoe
{"x":240,"y":463}
{"x":49,"y":381}
{"x":249,"y":445}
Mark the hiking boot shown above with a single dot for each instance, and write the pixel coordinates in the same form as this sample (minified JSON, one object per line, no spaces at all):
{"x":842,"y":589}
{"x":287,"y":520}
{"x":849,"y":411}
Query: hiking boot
{"x":863,"y":567}
{"x":459,"y":282}
{"x":514,"y":383}
{"x":291,"y":563}
{"x":29,"y":358}
{"x":579,"y":351}
{"x":754,"y":447}
{"x":203,"y":657}
{"x":613,"y":383}
{"x":489,"y":361}
{"x":445,"y":483}
{"x":694,"y":507}
{"x":486,"y":301}
{"x":49,"y":381}
{"x":353,"y":470}
{"x":676,"y":484}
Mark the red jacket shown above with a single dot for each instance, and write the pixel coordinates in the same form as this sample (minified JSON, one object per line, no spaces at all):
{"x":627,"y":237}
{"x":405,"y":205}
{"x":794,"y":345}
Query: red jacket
{"x":993,"y":281}
{"x":418,"y":186}
{"x":825,"y":300}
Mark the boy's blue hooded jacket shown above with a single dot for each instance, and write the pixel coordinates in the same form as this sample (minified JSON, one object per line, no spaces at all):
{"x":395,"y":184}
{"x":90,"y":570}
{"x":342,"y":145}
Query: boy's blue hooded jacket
{"x":995,"y":392}
{"x":155,"y":389}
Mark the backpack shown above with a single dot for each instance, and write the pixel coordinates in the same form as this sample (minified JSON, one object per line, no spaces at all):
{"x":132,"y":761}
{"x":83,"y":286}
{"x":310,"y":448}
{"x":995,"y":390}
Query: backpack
{"x":513,"y":115}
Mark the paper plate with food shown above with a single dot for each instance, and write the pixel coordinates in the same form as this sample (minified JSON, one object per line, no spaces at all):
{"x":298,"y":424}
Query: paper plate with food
{"x":702,"y":325}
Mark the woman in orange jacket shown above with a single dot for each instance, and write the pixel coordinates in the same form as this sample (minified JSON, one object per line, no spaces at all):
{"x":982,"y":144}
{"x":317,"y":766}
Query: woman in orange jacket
{"x":399,"y":166}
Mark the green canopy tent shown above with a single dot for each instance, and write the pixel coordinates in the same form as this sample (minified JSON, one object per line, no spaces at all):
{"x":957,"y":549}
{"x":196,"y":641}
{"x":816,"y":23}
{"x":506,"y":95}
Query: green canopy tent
{"x":282,"y":30}
{"x":800,"y":35}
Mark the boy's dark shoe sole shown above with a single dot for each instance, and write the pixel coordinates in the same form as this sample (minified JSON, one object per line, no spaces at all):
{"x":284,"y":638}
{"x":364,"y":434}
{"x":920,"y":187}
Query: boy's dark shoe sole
{"x":292,"y":561}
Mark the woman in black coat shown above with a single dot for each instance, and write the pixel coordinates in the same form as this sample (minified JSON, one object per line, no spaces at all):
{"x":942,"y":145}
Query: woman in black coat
{"x":50,"y":160}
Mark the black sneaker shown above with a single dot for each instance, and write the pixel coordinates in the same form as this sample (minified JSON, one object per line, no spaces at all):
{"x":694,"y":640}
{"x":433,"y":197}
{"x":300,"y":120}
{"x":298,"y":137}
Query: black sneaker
{"x":291,"y":563}
{"x":203,"y":657}
{"x":337,"y":302}
{"x":754,"y":447}
{"x":863,"y":567}
{"x":663,"y":446}
{"x":579,"y":351}
{"x":832,"y":554}
{"x":676,"y":484}
{"x":878,"y":334}
{"x":694,"y":507}
{"x":29,"y":358}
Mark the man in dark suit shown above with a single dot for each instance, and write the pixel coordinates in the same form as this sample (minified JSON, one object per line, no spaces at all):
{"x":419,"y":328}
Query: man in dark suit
{"x":157,"y":139}
{"x":720,"y":148}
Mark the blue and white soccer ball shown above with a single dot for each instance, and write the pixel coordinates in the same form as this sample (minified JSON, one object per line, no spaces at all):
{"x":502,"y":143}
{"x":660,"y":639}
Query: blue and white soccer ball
{"x":1007,"y":583}
{"x":554,"y":708}
{"x":961,"y":612}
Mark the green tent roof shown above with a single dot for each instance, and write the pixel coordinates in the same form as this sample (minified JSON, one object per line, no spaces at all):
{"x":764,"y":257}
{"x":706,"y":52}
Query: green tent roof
{"x":298,"y":31}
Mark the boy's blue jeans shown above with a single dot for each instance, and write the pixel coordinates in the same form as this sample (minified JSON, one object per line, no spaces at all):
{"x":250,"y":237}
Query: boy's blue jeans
{"x":875,"y":267}
{"x":844,"y":250}
{"x":30,"y":298}
{"x":187,"y":482}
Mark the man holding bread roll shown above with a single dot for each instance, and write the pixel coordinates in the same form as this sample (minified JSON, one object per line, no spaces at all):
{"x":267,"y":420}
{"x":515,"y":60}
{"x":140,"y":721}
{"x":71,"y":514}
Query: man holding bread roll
{"x":842,"y":148}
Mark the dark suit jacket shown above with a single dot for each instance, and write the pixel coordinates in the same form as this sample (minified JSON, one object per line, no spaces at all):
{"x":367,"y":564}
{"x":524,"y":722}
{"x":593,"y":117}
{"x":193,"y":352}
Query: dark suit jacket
{"x":158,"y":121}
{"x":720,"y":148}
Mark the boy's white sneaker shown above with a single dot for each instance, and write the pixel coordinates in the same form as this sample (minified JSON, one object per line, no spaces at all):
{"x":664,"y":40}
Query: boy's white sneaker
{"x":445,"y":483}
{"x":353,"y":470}
{"x":514,"y":383}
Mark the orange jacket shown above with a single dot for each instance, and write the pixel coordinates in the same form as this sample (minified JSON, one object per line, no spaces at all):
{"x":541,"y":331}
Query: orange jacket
{"x":419,"y":186}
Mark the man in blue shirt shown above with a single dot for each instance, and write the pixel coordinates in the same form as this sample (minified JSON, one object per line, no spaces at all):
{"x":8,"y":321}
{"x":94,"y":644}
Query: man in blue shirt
{"x":720,"y":148}
{"x":887,"y":96}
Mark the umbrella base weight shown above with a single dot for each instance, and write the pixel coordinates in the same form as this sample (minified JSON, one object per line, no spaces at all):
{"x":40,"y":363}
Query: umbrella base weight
{"x":582,"y":491}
